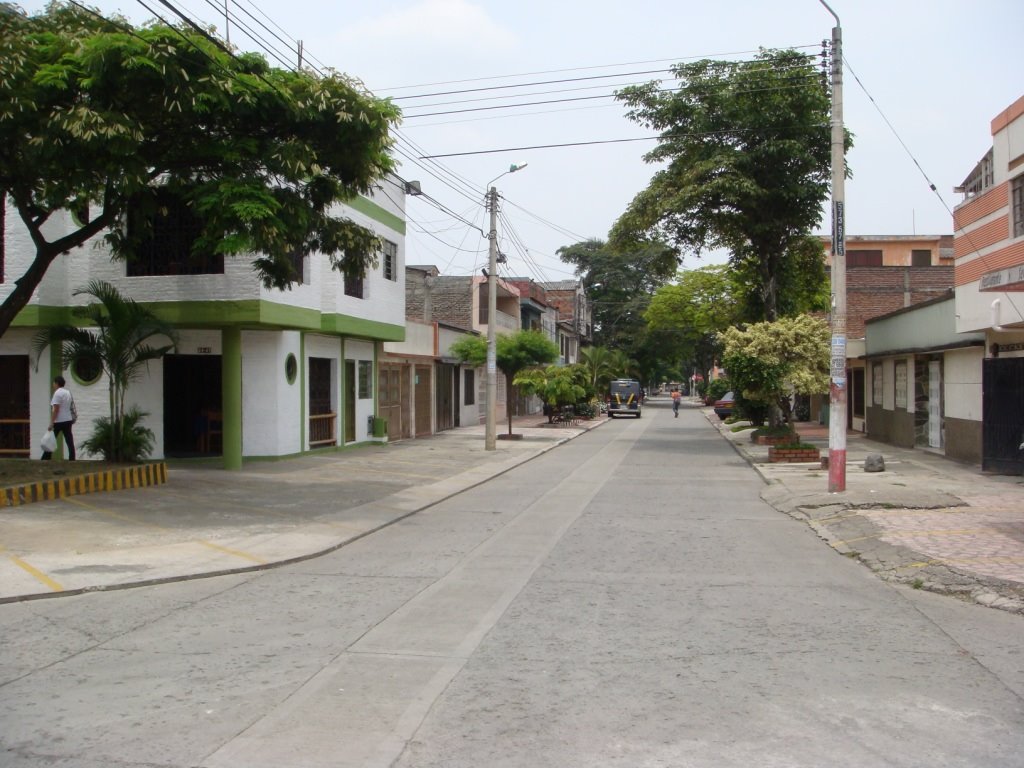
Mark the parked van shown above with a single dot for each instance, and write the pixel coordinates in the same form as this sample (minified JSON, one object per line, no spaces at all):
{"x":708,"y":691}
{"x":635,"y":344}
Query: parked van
{"x":625,"y":396}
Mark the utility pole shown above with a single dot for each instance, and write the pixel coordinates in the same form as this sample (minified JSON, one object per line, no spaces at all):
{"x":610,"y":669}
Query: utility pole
{"x":838,"y":386}
{"x":490,"y":434}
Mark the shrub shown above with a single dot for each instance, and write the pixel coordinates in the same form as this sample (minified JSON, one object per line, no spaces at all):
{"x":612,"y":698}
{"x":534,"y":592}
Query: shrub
{"x":124,"y":441}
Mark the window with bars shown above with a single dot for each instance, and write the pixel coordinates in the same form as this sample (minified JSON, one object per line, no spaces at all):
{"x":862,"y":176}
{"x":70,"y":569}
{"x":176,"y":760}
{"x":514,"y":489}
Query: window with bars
{"x":365,"y":379}
{"x":1017,"y":205}
{"x":354,"y":287}
{"x":390,"y":260}
{"x":167,"y":249}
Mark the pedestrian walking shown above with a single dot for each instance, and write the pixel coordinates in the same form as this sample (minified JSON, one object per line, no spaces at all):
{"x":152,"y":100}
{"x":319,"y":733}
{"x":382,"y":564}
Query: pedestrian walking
{"x":62,"y":415}
{"x":677,"y":398}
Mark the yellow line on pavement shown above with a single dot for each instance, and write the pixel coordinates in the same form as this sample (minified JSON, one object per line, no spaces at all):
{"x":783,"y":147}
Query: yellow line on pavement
{"x":235,"y":552}
{"x":39,"y":575}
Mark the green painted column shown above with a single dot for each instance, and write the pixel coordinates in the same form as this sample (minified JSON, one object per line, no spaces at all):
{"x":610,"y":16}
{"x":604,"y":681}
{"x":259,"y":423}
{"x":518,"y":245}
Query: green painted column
{"x":231,"y":396}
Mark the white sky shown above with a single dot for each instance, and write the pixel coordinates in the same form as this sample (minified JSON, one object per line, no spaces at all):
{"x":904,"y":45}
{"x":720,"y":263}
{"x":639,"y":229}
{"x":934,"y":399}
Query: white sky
{"x":938,"y":70}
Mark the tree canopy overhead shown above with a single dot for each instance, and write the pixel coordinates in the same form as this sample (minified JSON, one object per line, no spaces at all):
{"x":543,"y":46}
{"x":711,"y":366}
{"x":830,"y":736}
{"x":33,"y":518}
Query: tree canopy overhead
{"x":746,"y":148}
{"x":95,"y":111}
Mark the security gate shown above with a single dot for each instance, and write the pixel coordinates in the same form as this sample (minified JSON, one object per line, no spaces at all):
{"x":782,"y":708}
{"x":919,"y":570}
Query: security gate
{"x":1003,"y":415}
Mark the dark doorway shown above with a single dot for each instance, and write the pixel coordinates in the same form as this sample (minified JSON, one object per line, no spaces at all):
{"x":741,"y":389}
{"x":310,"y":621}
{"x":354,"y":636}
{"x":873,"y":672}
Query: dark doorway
{"x":321,"y":417}
{"x":1002,"y":431}
{"x":444,"y":404}
{"x":193,"y":422}
{"x":15,"y":439}
{"x":350,"y":401}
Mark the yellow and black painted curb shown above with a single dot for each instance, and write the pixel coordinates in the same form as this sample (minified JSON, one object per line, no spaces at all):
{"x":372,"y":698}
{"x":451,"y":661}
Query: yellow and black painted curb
{"x":92,"y":482}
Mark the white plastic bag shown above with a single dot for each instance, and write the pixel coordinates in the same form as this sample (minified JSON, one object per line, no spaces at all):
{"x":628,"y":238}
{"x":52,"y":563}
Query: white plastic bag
{"x":49,"y":441}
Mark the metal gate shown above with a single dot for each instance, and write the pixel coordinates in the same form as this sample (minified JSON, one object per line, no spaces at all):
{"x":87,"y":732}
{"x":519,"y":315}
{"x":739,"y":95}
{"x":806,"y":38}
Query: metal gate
{"x":1002,"y":385}
{"x":422,"y":396}
{"x":444,"y":396}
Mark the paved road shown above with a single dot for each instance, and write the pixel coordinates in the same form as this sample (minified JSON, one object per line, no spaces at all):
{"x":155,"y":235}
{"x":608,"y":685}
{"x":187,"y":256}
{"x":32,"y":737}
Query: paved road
{"x":626,"y":599}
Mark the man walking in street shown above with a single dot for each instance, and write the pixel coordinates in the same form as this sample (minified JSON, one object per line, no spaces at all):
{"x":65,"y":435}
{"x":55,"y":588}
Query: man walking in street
{"x":62,"y":416}
{"x":677,"y":398}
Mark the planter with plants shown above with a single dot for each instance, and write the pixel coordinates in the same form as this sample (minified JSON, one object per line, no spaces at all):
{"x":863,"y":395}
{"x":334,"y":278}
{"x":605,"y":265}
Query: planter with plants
{"x":781,"y":435}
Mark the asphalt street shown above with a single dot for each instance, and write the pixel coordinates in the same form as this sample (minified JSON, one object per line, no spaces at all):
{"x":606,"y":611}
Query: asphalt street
{"x":624,"y":599}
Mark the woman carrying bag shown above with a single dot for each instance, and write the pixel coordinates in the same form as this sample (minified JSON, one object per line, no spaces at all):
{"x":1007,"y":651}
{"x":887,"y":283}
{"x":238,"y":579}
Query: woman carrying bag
{"x":62,"y":416}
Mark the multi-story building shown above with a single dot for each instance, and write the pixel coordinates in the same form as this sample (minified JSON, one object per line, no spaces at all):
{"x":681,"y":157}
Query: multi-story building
{"x":574,"y":324}
{"x":884,"y":274}
{"x":989,"y":278}
{"x":256,"y":371}
{"x":459,"y":305}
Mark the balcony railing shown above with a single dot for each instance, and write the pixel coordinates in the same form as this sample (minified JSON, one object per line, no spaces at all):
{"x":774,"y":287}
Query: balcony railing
{"x":504,"y":321}
{"x":321,"y":429}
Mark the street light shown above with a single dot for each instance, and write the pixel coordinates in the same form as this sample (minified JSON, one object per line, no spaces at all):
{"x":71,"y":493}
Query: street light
{"x":491,"y":433}
{"x":838,"y":387}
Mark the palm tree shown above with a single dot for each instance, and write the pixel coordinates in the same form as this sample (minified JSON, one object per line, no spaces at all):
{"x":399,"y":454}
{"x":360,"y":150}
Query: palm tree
{"x":119,"y":341}
{"x":602,"y":365}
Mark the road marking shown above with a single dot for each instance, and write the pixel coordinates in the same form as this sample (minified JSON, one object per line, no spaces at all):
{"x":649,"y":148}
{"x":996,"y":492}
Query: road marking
{"x":36,"y":573}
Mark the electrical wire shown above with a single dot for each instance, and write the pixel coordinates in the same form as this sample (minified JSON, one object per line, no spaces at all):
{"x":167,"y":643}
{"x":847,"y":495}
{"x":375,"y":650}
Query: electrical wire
{"x":579,"y":69}
{"x":975,"y":249}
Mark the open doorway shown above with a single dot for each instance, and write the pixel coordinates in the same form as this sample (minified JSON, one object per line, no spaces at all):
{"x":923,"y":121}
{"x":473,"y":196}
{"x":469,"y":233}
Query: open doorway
{"x":193,"y":421}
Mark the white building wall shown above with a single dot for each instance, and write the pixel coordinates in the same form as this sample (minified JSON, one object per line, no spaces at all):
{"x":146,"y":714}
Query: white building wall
{"x":962,"y":380}
{"x":273,"y":423}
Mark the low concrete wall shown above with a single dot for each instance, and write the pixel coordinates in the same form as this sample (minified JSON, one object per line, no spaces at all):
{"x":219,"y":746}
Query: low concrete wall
{"x":893,"y":427}
{"x":963,"y":440}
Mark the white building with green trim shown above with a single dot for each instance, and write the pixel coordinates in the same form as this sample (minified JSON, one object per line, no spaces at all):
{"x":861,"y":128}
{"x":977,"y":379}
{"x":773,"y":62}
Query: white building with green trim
{"x":257,"y":372}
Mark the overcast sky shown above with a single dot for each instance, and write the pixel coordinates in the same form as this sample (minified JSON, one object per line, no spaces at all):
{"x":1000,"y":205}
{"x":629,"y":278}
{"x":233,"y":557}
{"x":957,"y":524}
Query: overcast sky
{"x":938,"y":71}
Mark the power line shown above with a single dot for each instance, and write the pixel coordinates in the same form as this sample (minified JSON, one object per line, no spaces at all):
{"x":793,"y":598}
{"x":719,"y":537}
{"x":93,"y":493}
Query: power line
{"x":580,"y":69}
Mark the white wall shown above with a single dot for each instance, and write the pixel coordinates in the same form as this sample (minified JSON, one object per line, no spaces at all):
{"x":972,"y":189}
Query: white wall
{"x":962,"y":381}
{"x":273,"y":422}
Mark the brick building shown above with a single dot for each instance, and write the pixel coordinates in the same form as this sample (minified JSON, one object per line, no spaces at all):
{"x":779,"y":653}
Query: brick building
{"x":989,"y":244}
{"x":884,"y":274}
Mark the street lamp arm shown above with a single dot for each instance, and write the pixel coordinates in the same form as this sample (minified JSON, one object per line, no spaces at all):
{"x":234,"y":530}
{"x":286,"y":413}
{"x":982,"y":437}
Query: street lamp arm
{"x":829,"y":9}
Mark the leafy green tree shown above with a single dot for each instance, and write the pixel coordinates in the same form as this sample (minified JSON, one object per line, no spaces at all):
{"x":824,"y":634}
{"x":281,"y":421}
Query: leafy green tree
{"x":513,"y":353}
{"x":556,"y":385}
{"x":619,"y":282}
{"x":746,"y":153}
{"x":769,"y":362}
{"x":94,"y":111}
{"x":700,"y":304}
{"x":119,"y":336}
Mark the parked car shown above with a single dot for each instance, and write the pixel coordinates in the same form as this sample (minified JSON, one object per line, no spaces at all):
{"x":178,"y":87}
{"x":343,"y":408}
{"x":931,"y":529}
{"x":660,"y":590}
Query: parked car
{"x":724,"y":407}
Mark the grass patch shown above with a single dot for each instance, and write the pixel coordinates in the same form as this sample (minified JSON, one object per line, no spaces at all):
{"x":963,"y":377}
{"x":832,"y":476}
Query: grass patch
{"x":917,"y":584}
{"x":783,"y":431}
{"x":741,"y":427}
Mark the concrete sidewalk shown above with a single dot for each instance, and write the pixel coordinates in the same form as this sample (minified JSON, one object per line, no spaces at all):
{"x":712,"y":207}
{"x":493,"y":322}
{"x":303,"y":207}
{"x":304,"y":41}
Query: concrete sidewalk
{"x":208,"y":521}
{"x":926,"y":520}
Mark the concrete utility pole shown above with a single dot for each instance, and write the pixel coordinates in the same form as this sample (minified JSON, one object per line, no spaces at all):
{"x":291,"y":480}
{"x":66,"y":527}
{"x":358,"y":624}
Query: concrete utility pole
{"x":490,"y":430}
{"x":490,"y":434}
{"x":838,"y":388}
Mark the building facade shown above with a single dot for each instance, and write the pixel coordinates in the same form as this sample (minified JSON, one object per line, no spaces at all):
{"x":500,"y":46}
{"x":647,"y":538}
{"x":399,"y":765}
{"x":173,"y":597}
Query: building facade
{"x":256,"y":372}
{"x":989,"y":279}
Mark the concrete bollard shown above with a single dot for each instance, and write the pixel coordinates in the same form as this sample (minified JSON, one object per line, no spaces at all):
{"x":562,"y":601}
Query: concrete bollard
{"x":874,"y":463}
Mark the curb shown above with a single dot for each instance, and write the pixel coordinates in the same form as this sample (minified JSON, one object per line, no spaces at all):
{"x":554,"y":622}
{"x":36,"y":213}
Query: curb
{"x":91,"y":482}
{"x":273,"y":564}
